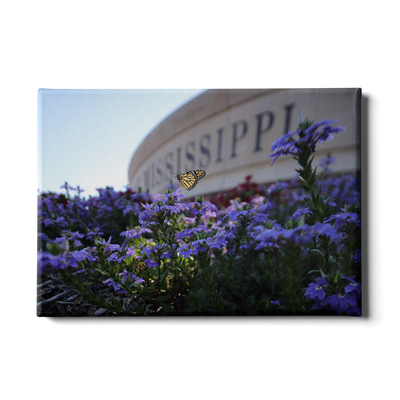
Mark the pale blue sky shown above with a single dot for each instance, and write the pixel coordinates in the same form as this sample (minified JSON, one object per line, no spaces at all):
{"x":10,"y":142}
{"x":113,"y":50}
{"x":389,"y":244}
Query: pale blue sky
{"x":87,"y":137}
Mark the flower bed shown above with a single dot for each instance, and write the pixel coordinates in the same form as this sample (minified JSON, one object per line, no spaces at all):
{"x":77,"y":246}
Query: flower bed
{"x":288,"y":248}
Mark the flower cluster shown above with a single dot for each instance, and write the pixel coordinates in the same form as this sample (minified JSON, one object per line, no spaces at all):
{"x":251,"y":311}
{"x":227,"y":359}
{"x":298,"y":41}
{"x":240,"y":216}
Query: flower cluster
{"x":337,"y":298}
{"x":307,"y":139}
{"x":289,"y":247}
{"x":126,"y":278}
{"x":90,"y":217}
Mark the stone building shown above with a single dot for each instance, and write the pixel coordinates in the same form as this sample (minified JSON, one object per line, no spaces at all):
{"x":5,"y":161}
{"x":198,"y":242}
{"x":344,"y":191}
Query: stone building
{"x":229,"y":134}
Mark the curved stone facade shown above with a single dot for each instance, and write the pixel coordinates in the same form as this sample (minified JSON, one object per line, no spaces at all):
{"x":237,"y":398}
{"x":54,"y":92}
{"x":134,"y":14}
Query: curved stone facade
{"x":229,"y":134}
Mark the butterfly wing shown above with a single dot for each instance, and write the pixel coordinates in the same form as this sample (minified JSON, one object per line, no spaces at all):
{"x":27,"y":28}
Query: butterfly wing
{"x":200,"y":173}
{"x":188,"y":180}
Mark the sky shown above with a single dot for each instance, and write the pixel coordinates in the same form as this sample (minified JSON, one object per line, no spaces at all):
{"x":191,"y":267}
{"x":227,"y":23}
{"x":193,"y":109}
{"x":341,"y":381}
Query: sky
{"x":87,"y":137}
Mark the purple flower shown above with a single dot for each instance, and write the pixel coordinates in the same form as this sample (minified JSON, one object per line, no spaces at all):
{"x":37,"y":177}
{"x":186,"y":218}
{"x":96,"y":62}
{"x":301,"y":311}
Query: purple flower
{"x":78,"y":243}
{"x":196,"y":208}
{"x":192,"y":231}
{"x":283,"y":140}
{"x":277,"y":187}
{"x":277,"y":302}
{"x":43,"y":258}
{"x":115,"y":257}
{"x":166,"y":254}
{"x":340,"y":302}
{"x":151,"y":263}
{"x":83,"y":254}
{"x":67,"y":187}
{"x":266,"y":239}
{"x":158,"y":249}
{"x":353,"y":287}
{"x":131,"y":209}
{"x":82,"y":271}
{"x":197,"y":246}
{"x":94,"y":233}
{"x":61,"y":240}
{"x":354,"y":311}
{"x":113,"y":247}
{"x":124,"y":275}
{"x":144,"y":216}
{"x":135,"y":233}
{"x":287,"y":144}
{"x":234,"y":215}
{"x":148,"y":250}
{"x":255,"y":215}
{"x":316,"y":290}
{"x":185,"y":251}
{"x":357,"y":256}
{"x":350,"y":218}
{"x":116,"y":286}
{"x":327,"y":230}
{"x":103,"y":241}
{"x":60,"y":221}
{"x":59,"y":261}
{"x":208,"y":207}
{"x":172,"y":209}
{"x":218,"y":241}
{"x":258,"y":203}
{"x":74,"y":235}
{"x":300,"y":235}
{"x":108,"y":246}
{"x":301,"y":211}
{"x":341,"y":219}
{"x":317,"y":304}
{"x":328,"y":160}
{"x":191,"y":248}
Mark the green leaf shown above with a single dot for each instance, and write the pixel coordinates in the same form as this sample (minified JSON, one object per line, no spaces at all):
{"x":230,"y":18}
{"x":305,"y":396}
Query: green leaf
{"x":137,"y":308}
{"x":251,"y":300}
{"x":323,"y":274}
{"x":302,"y":179}
{"x":201,"y":297}
{"x":289,"y":224}
{"x":53,"y":248}
{"x":317,"y":251}
{"x":65,"y":244}
{"x":327,"y":199}
{"x":336,"y":280}
{"x":147,"y":310}
{"x":125,"y":303}
{"x":115,"y":302}
{"x":168,"y":309}
{"x":243,"y":240}
{"x":164,"y":275}
{"x":313,"y":270}
{"x":163,"y":298}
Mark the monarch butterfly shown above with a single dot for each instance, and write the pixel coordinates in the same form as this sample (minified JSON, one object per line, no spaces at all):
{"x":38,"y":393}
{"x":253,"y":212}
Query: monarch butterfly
{"x":189,"y":179}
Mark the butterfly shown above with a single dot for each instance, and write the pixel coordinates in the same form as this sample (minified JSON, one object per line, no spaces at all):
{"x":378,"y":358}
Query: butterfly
{"x":189,"y":179}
